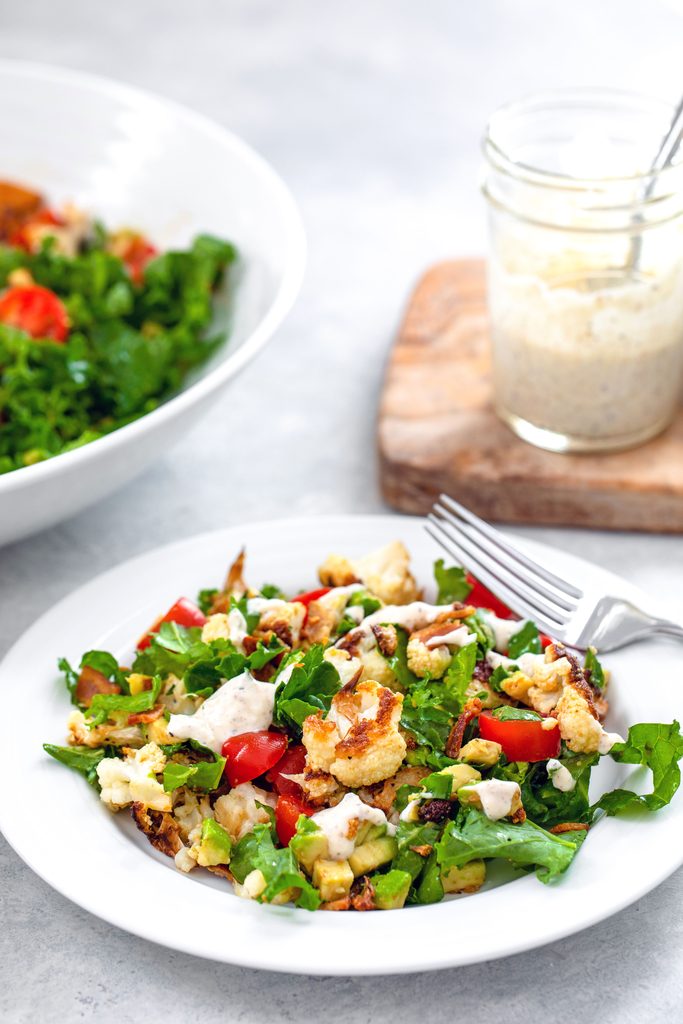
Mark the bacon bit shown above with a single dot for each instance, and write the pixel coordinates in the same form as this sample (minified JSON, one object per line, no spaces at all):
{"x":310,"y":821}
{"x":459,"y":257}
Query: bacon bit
{"x":568,"y":826}
{"x":423,"y":850}
{"x":143,"y":717}
{"x":364,"y":899}
{"x":91,"y":682}
{"x":343,"y":904}
{"x":472,"y":710}
{"x":519,"y":816}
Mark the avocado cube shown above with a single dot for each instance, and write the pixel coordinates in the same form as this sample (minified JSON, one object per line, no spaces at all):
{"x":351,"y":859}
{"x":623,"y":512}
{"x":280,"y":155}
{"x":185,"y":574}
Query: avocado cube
{"x":368,"y":856}
{"x":462,"y":775}
{"x":391,"y":890}
{"x":468,"y":878}
{"x":367,"y":831}
{"x":333,"y":879}
{"x":215,"y":845}
{"x":308,"y":847}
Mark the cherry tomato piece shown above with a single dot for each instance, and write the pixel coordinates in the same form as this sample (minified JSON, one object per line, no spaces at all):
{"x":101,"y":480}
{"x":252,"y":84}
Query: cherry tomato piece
{"x":291,"y":763}
{"x":184,"y":613}
{"x":481,"y":597}
{"x":546,"y":640}
{"x":36,"y":310}
{"x":312,"y":595}
{"x":521,"y":740}
{"x":136,"y":253}
{"x":287,"y":811}
{"x":251,"y":754}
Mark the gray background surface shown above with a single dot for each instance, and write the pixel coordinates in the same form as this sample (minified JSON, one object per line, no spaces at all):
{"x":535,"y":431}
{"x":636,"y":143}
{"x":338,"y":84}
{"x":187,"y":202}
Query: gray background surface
{"x":372,"y":112}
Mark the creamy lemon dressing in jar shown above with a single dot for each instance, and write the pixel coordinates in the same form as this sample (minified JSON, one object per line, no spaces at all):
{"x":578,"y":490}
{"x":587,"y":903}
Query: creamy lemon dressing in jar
{"x":585,"y":270}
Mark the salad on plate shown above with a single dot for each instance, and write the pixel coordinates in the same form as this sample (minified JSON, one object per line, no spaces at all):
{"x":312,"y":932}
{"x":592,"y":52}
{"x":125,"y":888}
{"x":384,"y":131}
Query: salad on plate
{"x":355,"y":746}
{"x":97,"y":327}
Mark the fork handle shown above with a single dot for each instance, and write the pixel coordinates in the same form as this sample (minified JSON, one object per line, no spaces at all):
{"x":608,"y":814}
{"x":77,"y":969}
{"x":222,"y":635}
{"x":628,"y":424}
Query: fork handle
{"x":665,"y":628}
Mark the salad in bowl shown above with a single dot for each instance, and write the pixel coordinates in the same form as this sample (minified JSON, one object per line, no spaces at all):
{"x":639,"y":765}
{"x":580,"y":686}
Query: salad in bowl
{"x":354,"y":746}
{"x":97,"y":326}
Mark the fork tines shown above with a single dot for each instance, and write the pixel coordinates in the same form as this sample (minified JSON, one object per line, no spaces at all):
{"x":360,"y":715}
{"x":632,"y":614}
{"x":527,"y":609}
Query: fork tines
{"x":527,"y":587}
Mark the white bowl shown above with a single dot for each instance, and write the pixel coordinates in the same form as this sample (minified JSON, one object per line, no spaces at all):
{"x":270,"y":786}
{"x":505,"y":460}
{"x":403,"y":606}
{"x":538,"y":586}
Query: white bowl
{"x":134,"y":159}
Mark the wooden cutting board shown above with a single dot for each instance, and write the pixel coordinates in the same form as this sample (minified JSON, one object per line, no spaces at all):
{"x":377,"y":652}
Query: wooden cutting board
{"x":438,"y":432}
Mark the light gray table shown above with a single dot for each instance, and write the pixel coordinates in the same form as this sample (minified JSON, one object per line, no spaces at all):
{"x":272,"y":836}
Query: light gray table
{"x":372,"y":112}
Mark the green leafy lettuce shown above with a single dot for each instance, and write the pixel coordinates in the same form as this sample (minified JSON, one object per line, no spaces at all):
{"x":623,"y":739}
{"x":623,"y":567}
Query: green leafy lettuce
{"x":473,"y":836}
{"x":526,"y":641}
{"x":257,"y":852}
{"x":201,"y":666}
{"x":130,"y":345}
{"x":452,"y":584}
{"x":105,"y":706}
{"x":310,"y":688}
{"x":594,"y":670}
{"x":204,"y":775}
{"x":430,"y":705}
{"x":82,"y":759}
{"x":657,"y":747}
{"x":100,"y":661}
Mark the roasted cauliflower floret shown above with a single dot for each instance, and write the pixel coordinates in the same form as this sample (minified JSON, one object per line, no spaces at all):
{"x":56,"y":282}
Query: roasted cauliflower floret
{"x":579,"y":727}
{"x":540,"y":683}
{"x":238,"y":810}
{"x":216,"y":627}
{"x":132,"y":779}
{"x":107,"y":733}
{"x":423,"y":659}
{"x":189,"y":810}
{"x":359,"y":742}
{"x":285,"y":620}
{"x":385,"y":573}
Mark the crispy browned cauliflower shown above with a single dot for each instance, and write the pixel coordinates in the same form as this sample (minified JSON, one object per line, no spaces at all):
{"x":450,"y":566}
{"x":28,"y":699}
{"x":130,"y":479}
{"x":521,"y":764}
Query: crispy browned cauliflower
{"x":359,"y":742}
{"x":385,"y":572}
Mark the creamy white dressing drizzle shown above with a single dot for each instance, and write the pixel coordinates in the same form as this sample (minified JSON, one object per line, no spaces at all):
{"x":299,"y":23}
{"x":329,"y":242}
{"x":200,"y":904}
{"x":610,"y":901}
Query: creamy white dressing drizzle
{"x":284,"y":676}
{"x":497,"y":797}
{"x":237,"y":628}
{"x":258,"y":605}
{"x":242,"y":704}
{"x":607,"y":741}
{"x":459,"y":636}
{"x":503,"y":629}
{"x":560,"y":776}
{"x":355,"y":613}
{"x":412,"y":616}
{"x":526,"y":663}
{"x":335,"y":822}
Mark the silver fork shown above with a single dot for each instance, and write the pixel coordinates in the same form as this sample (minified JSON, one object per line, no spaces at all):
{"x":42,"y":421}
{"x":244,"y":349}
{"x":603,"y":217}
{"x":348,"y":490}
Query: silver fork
{"x":578,"y":617}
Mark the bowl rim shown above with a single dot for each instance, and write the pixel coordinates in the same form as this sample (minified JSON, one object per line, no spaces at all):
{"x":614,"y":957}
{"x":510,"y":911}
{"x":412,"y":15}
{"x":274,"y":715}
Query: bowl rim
{"x":289,"y":287}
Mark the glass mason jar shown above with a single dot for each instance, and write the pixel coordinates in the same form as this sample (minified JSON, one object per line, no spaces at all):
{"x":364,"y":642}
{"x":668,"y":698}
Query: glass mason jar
{"x":585,"y":269}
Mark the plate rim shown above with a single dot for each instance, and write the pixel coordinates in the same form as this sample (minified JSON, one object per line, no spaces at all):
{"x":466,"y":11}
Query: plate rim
{"x":438,"y":956}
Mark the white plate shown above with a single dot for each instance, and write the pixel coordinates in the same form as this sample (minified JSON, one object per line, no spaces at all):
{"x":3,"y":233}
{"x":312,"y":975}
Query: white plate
{"x":58,"y":825}
{"x":131,"y":158}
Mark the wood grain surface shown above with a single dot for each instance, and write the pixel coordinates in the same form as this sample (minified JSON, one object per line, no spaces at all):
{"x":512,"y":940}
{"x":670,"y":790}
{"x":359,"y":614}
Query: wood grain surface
{"x":437,"y":431}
